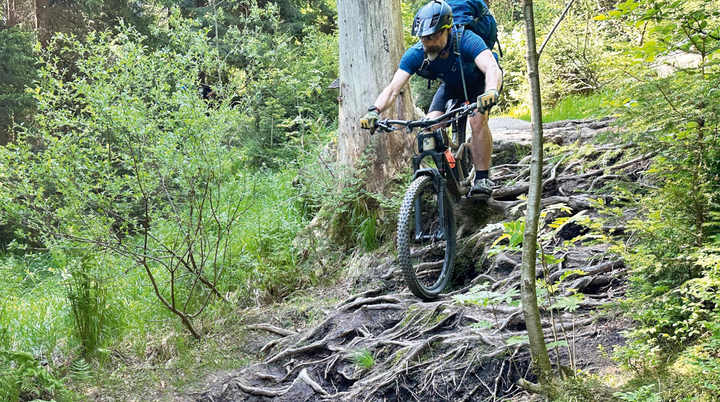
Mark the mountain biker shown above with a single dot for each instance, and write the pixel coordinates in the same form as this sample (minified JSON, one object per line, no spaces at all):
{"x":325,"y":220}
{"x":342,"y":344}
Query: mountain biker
{"x":435,"y":52}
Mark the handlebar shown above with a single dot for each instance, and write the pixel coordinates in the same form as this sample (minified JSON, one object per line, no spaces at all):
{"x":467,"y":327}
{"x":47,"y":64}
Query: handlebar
{"x":388,"y":125}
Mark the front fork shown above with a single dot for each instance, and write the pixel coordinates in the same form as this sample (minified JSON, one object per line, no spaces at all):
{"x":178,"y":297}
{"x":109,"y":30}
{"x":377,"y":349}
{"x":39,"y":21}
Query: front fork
{"x":441,"y":184}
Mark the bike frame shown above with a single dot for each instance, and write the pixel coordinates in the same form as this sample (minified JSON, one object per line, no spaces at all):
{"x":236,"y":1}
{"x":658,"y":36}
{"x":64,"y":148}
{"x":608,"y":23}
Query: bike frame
{"x":442,"y":166}
{"x":440,"y":183}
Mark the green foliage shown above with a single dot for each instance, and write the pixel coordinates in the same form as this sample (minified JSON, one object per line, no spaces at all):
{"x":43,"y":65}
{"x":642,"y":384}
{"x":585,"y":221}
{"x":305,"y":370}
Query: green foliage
{"x":296,"y":15}
{"x":585,"y":387}
{"x":703,"y":362}
{"x":514,"y":231}
{"x":575,"y":60}
{"x":264,"y":238}
{"x":669,"y":108}
{"x":23,"y":378}
{"x":483,"y":296}
{"x":33,"y":305}
{"x":18,"y":64}
{"x":89,"y":302}
{"x":354,"y":215}
{"x":571,"y":107}
{"x":517,"y":340}
{"x":279,"y":85}
{"x":646,"y":393}
{"x":676,"y":116}
{"x":127,"y":159}
{"x":364,"y":359}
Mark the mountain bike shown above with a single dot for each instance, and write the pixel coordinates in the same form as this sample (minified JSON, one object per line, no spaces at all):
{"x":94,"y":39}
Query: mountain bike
{"x":442,"y":167}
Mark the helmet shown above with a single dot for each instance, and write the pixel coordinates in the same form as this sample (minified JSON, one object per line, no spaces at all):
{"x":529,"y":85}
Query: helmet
{"x":433,"y":17}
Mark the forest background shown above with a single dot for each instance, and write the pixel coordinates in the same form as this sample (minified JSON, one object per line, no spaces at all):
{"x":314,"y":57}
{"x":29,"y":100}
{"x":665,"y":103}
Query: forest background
{"x":140,"y":222}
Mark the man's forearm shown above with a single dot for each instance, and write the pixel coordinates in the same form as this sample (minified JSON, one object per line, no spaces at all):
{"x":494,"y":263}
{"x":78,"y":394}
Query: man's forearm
{"x":386,"y":97}
{"x":493,"y":78}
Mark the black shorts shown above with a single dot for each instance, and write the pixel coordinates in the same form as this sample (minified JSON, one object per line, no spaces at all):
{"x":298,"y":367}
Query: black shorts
{"x":445,"y":93}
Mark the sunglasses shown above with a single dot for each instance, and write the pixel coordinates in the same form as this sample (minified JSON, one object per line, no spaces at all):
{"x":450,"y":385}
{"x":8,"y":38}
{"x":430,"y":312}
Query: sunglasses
{"x":433,"y":36}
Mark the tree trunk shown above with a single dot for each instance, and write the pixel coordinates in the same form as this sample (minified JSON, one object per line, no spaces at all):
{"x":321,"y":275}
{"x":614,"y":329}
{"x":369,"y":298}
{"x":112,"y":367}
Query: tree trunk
{"x":371,"y":45}
{"x":41,"y":21}
{"x":11,"y":13}
{"x":540,"y":358}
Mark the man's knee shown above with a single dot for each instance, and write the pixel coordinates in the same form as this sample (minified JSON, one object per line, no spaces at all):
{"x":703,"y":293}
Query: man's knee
{"x":478,"y":122}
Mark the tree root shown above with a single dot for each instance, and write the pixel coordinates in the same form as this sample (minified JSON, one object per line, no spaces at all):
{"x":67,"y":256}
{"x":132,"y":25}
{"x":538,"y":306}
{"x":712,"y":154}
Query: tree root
{"x":272,"y":328}
{"x":271,"y":393}
{"x":364,"y":301}
{"x":604,"y":267}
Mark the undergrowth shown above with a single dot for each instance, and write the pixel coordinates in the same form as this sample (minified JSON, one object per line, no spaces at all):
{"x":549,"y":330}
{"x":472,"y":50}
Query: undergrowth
{"x":572,"y":107}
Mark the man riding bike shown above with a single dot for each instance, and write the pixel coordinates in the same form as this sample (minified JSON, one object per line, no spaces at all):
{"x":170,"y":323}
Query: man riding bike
{"x":480,"y":79}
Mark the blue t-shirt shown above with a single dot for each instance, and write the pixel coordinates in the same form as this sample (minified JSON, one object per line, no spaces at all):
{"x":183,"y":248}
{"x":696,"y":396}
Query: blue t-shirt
{"x":447,"y":70}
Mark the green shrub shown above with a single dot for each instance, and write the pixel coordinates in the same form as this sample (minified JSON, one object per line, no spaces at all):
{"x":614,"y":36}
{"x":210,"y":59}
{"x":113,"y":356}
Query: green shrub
{"x":92,"y":309}
{"x":23,"y":378}
{"x":18,"y":64}
{"x":128,"y":159}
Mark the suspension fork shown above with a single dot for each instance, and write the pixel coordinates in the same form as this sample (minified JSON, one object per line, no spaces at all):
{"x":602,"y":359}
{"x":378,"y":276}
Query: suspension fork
{"x":441,"y":184}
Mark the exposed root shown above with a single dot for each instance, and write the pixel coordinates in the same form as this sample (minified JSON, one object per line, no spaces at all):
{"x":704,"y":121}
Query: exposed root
{"x":361,"y":302}
{"x":271,"y":393}
{"x":303,"y":376}
{"x":368,"y":293}
{"x":272,"y":328}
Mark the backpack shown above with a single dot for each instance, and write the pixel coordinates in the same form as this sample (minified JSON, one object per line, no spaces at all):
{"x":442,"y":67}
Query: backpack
{"x":475,"y":16}
{"x":467,"y":14}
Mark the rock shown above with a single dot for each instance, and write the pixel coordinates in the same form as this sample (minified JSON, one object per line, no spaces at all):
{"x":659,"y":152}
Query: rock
{"x":587,"y":133}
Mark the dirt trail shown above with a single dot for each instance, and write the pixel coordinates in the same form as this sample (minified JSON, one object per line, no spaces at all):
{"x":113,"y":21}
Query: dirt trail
{"x":383,"y":344}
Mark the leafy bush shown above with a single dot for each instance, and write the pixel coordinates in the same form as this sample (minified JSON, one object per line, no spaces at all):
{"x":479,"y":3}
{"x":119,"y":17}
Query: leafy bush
{"x":673,"y":116}
{"x":23,"y":378}
{"x":128,"y":159}
{"x":280,"y":85}
{"x":18,"y":64}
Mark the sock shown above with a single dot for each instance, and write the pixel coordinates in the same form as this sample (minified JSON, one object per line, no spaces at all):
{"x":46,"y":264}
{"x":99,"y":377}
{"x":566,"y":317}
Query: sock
{"x":481,"y":174}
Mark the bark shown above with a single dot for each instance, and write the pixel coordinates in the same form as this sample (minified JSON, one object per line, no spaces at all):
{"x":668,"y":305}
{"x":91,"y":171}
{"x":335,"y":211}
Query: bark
{"x":541,"y":361}
{"x":371,"y":45}
{"x":41,"y":21}
{"x":11,"y":13}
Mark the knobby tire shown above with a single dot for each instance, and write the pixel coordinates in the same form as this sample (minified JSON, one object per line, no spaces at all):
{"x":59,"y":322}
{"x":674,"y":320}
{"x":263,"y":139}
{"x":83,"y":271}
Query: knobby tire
{"x":427,"y":274}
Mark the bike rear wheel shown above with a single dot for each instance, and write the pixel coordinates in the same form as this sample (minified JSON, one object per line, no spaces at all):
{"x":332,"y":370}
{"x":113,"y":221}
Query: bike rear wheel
{"x":425,"y":240}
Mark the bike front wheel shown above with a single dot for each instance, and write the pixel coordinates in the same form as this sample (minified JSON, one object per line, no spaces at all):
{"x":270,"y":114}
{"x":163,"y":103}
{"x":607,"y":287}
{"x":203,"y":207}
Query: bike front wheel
{"x":425,"y":239}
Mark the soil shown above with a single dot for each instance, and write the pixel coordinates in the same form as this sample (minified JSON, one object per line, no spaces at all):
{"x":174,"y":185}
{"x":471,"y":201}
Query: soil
{"x":381,"y":343}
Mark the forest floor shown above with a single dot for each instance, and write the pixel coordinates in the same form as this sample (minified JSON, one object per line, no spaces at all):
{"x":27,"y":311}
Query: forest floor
{"x":369,"y":339}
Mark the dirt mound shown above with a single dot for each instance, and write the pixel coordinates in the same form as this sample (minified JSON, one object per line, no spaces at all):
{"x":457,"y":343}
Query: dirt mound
{"x":386,"y":345}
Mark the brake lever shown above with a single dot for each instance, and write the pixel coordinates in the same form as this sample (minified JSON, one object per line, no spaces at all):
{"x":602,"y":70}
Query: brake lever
{"x":472,"y":112}
{"x":384,"y":126}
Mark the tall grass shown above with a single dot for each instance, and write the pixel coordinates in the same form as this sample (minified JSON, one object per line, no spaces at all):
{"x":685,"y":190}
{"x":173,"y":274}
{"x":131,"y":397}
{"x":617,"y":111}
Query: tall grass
{"x":573,"y":107}
{"x":267,"y":267}
{"x":33,"y":327}
{"x":34,"y":306}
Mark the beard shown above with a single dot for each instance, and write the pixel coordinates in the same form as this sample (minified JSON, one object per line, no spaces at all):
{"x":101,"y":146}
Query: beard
{"x":433,"y":51}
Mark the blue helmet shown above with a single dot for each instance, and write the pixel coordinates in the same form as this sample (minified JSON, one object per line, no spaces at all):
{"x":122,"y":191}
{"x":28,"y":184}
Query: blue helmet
{"x":433,"y":17}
